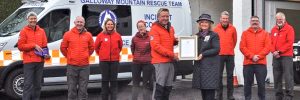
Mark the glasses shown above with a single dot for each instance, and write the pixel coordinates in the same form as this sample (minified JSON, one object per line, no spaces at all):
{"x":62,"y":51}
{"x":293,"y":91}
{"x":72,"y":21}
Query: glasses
{"x":254,"y":20}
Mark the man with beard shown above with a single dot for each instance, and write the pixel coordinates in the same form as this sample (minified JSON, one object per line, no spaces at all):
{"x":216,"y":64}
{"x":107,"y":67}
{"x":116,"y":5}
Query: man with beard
{"x":255,"y":46}
{"x":282,"y":37}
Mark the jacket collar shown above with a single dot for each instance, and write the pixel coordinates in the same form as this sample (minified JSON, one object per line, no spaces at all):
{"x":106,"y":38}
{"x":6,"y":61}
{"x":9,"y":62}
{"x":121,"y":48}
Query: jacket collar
{"x":142,"y":36}
{"x":220,"y":25}
{"x":159,"y":25}
{"x":285,"y":27}
{"x":36,"y":28}
{"x":251,"y":30}
{"x":75,"y":30}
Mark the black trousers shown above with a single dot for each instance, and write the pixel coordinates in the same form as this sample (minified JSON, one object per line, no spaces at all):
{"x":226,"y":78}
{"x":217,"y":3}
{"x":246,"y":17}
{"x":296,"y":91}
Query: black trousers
{"x":147,"y":71}
{"x":228,"y":61}
{"x":260,"y":72}
{"x":208,"y":94}
{"x":109,"y":72}
{"x":33,"y":74}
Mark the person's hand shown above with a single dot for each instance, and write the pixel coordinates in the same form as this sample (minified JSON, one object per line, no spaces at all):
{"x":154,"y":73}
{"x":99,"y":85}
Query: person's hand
{"x":276,"y":54}
{"x":255,"y":58}
{"x":38,"y":48}
{"x":47,"y":56}
{"x":176,"y":57}
{"x":199,"y":57}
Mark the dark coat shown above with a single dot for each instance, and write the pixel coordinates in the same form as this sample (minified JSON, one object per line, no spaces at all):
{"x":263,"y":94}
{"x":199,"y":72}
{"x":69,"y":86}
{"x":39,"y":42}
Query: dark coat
{"x":206,"y":70}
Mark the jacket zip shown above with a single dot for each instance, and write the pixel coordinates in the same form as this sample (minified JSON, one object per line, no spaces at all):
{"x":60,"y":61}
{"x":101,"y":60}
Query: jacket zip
{"x":34,"y":37}
{"x":277,"y":35}
{"x":255,"y":41}
{"x":110,"y":47}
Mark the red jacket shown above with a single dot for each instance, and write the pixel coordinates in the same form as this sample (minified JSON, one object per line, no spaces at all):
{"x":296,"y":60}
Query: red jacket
{"x":27,"y":41}
{"x":140,"y":48}
{"x":282,"y":40}
{"x":109,"y":46}
{"x":255,"y":43}
{"x":162,"y":43}
{"x":77,"y":47}
{"x":228,"y":39}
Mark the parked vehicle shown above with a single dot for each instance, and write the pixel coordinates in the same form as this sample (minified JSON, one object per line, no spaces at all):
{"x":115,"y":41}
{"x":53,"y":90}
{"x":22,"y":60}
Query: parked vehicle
{"x":296,"y":62}
{"x":57,"y":16}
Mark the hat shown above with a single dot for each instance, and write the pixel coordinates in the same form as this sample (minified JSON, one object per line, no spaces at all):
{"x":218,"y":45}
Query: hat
{"x":205,"y":17}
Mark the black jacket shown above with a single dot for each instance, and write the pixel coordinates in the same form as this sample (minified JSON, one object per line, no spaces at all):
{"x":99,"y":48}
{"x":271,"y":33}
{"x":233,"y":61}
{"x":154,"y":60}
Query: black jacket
{"x":206,"y":70}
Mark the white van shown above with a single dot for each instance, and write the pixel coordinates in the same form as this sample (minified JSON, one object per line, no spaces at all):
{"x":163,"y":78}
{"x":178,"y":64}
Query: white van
{"x":57,"y":17}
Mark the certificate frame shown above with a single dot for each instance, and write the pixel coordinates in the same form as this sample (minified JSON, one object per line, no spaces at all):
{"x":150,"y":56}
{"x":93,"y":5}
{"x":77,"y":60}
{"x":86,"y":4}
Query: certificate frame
{"x":188,"y":47}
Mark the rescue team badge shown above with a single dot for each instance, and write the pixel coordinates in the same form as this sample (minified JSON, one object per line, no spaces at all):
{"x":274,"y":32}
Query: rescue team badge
{"x":151,"y":37}
{"x":105,"y":15}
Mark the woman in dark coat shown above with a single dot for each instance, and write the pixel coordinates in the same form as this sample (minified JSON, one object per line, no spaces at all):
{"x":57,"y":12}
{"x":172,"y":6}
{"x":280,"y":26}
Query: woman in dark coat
{"x":206,"y":70}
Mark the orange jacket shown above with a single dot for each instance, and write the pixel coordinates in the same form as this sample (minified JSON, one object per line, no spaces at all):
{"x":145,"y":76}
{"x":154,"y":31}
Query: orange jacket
{"x":282,"y":40}
{"x":162,"y":42}
{"x":77,"y":47}
{"x":228,"y":39}
{"x":28,"y":39}
{"x":255,"y":43}
{"x":109,"y":46}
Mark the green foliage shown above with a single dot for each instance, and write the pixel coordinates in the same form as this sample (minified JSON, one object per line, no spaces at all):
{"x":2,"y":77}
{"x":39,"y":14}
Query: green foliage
{"x":7,"y":7}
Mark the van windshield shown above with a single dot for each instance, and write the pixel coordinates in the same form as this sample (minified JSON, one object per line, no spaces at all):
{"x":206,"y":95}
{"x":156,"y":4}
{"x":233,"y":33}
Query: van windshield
{"x":15,"y":22}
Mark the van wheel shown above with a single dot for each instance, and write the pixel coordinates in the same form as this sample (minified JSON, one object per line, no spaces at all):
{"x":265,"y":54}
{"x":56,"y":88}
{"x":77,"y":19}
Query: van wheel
{"x":14,"y":84}
{"x":297,"y":72}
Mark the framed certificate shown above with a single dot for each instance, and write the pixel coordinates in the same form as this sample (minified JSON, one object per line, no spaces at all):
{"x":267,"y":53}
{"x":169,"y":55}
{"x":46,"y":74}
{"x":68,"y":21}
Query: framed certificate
{"x":188,"y":48}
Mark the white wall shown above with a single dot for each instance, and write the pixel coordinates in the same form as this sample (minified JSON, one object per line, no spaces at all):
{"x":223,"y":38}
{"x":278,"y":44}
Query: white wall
{"x":212,"y":7}
{"x":241,"y":19}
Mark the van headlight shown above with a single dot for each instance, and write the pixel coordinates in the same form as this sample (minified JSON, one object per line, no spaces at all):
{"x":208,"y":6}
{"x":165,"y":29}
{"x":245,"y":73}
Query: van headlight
{"x":295,"y":52}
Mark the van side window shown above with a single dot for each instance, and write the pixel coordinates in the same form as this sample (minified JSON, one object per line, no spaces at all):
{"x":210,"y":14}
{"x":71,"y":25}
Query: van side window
{"x":55,"y":24}
{"x":91,"y":13}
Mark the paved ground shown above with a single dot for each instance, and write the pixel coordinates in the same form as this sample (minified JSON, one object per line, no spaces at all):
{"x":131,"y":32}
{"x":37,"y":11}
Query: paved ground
{"x":182,"y":91}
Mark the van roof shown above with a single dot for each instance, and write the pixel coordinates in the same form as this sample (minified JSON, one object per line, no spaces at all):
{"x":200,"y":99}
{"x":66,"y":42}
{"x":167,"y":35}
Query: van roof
{"x":148,"y":3}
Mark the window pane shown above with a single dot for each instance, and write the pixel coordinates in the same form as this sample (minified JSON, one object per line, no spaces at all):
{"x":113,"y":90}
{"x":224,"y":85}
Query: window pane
{"x":15,"y":22}
{"x":91,"y":14}
{"x":56,"y":23}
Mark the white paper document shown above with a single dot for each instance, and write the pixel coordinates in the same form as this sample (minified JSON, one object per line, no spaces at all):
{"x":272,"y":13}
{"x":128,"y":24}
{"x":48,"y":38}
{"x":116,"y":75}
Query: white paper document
{"x":188,"y":48}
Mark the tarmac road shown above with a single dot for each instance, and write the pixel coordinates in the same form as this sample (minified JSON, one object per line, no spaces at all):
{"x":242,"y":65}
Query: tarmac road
{"x":182,"y":91}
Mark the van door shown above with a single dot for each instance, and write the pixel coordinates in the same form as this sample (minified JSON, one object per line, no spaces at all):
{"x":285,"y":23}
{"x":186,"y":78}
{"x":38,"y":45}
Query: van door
{"x":55,"y":23}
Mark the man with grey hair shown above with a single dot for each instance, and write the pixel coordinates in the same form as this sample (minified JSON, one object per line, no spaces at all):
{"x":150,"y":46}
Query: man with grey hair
{"x":77,"y":46}
{"x":228,"y":38}
{"x":282,"y":36}
{"x":162,"y":41}
{"x":32,"y":39}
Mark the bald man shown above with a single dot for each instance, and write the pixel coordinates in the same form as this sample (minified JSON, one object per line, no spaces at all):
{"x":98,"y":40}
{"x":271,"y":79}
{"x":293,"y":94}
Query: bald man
{"x":77,"y":46}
